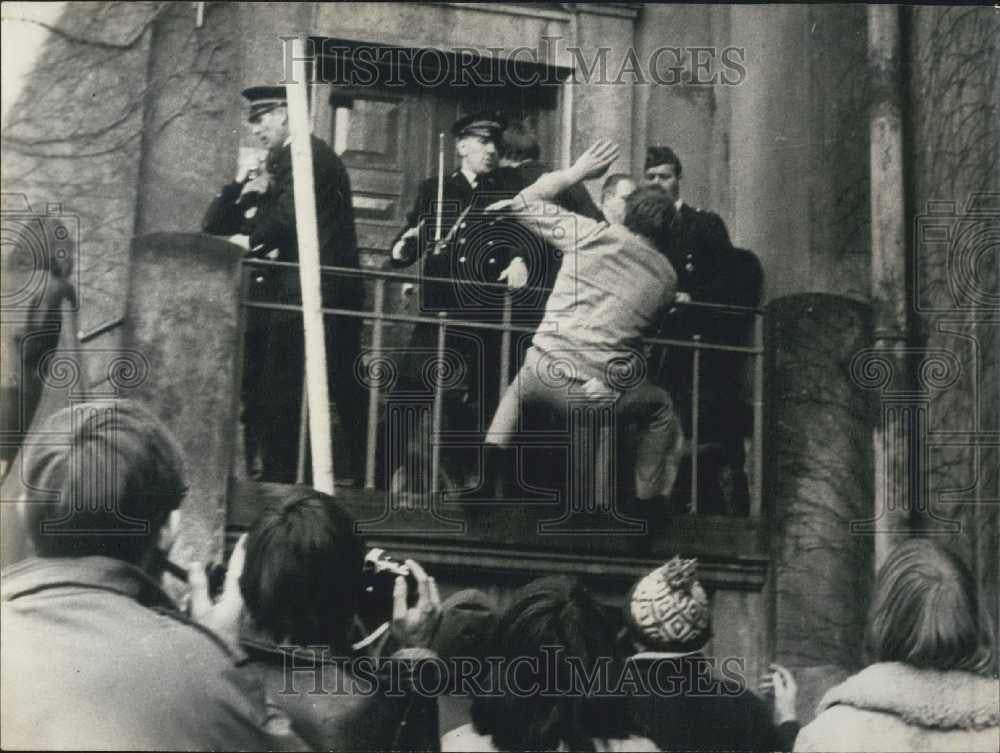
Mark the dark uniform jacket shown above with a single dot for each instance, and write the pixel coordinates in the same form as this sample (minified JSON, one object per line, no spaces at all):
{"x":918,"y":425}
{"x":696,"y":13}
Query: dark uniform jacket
{"x":700,"y":253}
{"x":275,"y":358}
{"x":95,"y":657}
{"x":474,"y":253}
{"x":273,"y":226}
{"x":711,"y":270}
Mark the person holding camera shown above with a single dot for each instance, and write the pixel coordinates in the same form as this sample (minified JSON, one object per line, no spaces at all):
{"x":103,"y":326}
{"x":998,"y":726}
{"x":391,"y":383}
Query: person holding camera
{"x":300,"y":576}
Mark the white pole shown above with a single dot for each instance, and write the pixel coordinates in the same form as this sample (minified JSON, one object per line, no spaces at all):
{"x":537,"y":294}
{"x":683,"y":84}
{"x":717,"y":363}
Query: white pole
{"x":308,"y":238}
{"x":440,"y":194}
{"x":341,"y":127}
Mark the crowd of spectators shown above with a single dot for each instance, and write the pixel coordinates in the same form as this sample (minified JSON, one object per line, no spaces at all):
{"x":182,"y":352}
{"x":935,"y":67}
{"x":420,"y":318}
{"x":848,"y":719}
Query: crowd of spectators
{"x":96,"y":655}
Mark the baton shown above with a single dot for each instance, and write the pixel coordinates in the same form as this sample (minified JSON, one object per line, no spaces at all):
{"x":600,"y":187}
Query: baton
{"x":440,"y":196}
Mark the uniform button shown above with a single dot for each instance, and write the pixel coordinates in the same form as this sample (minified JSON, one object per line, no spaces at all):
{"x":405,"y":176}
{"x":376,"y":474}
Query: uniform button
{"x":690,"y":256}
{"x":489,"y":243}
{"x":493,"y":261}
{"x":461,"y":226}
{"x":689,"y":267}
{"x":461,"y":240}
{"x":461,"y":260}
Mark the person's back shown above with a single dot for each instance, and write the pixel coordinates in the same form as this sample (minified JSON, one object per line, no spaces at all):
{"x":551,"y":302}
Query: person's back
{"x":551,"y":636}
{"x":93,"y":653}
{"x":687,"y":701}
{"x":707,"y":711}
{"x":932,"y":684}
{"x":94,"y":656}
{"x":610,"y":286}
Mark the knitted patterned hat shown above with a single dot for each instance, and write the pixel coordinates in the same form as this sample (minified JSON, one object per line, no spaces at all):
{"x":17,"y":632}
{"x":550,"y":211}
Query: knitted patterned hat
{"x":668,"y":609}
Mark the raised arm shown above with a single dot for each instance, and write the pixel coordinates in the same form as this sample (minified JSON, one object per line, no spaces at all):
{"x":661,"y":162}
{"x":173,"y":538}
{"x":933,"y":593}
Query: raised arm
{"x":561,"y":229}
{"x":591,"y":164}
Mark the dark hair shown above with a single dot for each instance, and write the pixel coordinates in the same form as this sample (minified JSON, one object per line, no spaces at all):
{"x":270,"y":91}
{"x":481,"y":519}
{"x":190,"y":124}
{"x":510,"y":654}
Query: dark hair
{"x":662,"y":155}
{"x":650,"y":212}
{"x":520,"y":143}
{"x":110,"y":484}
{"x":925,"y":611}
{"x":559,"y":614}
{"x":302,"y":571}
{"x":611,"y":184}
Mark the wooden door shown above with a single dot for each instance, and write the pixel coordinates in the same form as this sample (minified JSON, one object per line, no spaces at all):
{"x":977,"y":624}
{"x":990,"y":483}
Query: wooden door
{"x":386,"y":148}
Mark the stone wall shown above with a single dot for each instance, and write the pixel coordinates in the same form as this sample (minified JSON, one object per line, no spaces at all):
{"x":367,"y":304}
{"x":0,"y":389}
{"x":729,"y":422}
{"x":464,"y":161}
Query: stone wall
{"x":953,"y":92}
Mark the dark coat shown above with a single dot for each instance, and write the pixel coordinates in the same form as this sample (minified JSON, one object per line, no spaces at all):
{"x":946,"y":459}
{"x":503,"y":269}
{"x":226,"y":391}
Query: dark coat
{"x":273,"y":226}
{"x":711,"y":270}
{"x":275,"y":349}
{"x":686,"y":706}
{"x":472,"y":254}
{"x":701,"y":252}
{"x":95,"y":657}
{"x":332,"y":708}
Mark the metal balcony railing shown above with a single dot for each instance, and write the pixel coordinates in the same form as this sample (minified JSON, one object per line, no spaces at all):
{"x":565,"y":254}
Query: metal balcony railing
{"x":379,"y":317}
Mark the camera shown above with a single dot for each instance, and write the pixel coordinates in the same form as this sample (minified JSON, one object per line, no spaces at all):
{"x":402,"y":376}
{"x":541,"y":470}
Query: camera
{"x":378,"y":579}
{"x":215,"y":573}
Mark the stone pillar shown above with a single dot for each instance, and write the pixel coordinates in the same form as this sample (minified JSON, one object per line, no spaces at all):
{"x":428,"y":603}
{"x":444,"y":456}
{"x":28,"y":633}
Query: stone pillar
{"x":819,"y":483}
{"x":798,"y":156}
{"x":181,"y":324}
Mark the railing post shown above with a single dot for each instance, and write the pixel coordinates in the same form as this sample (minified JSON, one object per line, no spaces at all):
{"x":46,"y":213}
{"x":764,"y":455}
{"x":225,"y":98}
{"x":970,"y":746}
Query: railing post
{"x":505,"y":339}
{"x":695,"y":405}
{"x":757,"y":498}
{"x":373,"y":386}
{"x":438,"y":407}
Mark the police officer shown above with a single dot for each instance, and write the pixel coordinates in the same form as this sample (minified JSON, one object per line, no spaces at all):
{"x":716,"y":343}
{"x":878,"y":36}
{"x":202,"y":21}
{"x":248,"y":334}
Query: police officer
{"x":260,"y":203}
{"x":709,"y":270}
{"x":703,"y":247}
{"x":473,"y":250}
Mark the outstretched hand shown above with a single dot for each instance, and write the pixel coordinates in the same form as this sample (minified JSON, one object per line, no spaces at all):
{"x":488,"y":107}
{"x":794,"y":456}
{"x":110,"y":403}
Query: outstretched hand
{"x":594,"y":162}
{"x":782,"y":683}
